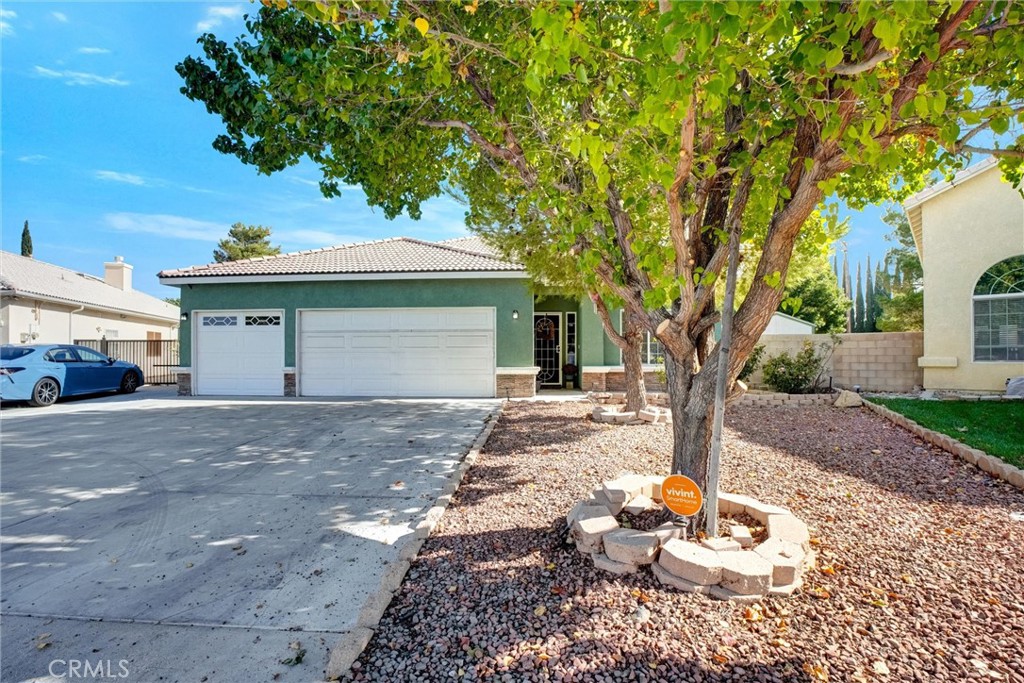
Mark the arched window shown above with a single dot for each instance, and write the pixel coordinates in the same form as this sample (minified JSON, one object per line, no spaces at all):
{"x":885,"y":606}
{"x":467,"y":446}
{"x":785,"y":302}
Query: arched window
{"x":999,"y":312}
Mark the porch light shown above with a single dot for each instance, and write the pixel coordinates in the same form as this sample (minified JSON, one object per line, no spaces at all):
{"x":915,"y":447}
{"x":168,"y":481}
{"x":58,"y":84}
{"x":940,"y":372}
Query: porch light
{"x":515,"y":315}
{"x":184,"y":316}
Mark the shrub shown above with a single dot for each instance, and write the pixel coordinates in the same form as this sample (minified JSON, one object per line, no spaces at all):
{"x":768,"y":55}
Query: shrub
{"x":796,"y":374}
{"x":752,"y":360}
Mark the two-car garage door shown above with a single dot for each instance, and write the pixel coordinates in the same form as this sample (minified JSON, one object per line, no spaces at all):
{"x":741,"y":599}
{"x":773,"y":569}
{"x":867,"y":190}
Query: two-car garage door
{"x":397,"y":352}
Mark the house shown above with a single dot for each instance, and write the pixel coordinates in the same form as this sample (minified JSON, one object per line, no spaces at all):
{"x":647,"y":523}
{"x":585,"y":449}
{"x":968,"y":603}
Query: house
{"x":394,"y":317}
{"x":783,"y":323}
{"x":47,"y":304}
{"x":969,"y":234}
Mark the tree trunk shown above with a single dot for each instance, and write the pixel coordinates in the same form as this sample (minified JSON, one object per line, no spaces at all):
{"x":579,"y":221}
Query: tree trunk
{"x":692,"y":397}
{"x":632,"y":362}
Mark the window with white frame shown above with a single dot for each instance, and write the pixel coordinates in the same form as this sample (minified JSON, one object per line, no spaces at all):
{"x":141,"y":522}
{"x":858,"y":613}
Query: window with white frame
{"x":999,"y":312}
{"x":651,"y":351}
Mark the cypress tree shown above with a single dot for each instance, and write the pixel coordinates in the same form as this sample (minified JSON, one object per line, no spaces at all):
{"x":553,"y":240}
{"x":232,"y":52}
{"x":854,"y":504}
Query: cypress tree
{"x":869,"y":303}
{"x":847,"y":292}
{"x":858,"y":314}
{"x":26,"y":241}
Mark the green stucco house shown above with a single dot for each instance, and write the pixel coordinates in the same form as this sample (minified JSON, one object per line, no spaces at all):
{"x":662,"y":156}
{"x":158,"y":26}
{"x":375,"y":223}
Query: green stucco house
{"x":395,"y":317}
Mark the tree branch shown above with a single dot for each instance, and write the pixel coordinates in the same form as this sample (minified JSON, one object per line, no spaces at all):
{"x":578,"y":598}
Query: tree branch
{"x":1008,"y":153}
{"x":861,"y":67}
{"x":606,"y":319}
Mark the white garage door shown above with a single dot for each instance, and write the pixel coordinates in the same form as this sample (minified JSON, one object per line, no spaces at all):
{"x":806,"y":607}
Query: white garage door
{"x":397,"y":352}
{"x":239,"y":353}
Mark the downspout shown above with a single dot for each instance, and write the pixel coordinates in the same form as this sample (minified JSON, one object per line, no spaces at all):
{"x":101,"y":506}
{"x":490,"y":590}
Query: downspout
{"x":71,"y":320}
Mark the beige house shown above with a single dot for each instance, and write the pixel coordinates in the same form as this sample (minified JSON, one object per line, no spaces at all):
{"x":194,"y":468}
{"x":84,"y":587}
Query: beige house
{"x":969,"y":233}
{"x":46,"y":304}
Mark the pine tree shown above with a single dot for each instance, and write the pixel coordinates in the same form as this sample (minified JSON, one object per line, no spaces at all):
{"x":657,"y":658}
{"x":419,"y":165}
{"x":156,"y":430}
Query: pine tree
{"x":26,"y":241}
{"x":245,"y":241}
{"x":858,"y":314}
{"x":869,"y":301}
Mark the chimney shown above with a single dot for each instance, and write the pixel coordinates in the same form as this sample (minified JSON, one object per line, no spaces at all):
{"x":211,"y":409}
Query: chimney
{"x":118,"y":274}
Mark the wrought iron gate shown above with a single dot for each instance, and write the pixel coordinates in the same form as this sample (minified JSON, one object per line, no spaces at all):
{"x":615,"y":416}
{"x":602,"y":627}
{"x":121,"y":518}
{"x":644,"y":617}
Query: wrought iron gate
{"x":156,"y":357}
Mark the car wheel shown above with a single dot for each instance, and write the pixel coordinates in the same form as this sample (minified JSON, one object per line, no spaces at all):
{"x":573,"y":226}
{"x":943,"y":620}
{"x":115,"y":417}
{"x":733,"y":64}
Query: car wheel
{"x":129,"y":383}
{"x":45,"y":393}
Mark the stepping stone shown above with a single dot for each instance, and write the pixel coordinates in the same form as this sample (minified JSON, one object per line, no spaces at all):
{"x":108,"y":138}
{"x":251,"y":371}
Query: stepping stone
{"x":691,"y":562}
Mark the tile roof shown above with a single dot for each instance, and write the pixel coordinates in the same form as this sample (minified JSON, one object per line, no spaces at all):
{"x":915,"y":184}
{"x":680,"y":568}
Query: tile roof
{"x":30,"y":277}
{"x":395,"y":255}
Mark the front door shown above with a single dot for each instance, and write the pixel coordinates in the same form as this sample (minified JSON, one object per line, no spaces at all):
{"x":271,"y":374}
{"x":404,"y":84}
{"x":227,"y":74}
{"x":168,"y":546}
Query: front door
{"x":547,"y":348}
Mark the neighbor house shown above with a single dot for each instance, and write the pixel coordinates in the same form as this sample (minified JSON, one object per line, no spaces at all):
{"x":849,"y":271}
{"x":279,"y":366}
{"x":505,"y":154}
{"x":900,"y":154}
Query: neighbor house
{"x":395,"y":317}
{"x":969,"y":234}
{"x":47,"y":304}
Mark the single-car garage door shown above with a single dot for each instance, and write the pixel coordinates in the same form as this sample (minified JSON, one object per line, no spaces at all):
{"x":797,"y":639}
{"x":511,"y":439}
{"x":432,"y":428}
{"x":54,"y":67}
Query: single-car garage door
{"x":239,"y":353}
{"x":397,"y":352}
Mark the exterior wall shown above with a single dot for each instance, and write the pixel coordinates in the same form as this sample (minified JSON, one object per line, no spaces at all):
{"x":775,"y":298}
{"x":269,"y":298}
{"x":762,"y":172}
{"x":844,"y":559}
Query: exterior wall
{"x":609,"y":378}
{"x":514,"y":338}
{"x":965,"y":231}
{"x":881,"y":361}
{"x":59,"y":324}
{"x":781,"y":324}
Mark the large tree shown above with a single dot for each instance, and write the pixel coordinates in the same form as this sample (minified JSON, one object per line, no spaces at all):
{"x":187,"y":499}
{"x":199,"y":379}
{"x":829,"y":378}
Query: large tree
{"x":245,"y":241}
{"x":903,"y":309}
{"x":820,"y":301}
{"x":656,"y":133}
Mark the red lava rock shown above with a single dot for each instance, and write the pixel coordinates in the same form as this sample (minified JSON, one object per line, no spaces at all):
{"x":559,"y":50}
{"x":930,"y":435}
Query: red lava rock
{"x":919,"y":564}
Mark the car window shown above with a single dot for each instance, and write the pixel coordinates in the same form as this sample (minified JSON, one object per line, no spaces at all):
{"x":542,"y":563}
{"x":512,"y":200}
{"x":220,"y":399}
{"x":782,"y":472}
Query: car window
{"x":60,"y":356}
{"x":90,"y":356}
{"x":13,"y":352}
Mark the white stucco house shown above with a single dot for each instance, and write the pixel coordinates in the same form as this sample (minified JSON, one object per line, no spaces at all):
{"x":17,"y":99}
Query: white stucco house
{"x":969,"y":234}
{"x":46,"y":304}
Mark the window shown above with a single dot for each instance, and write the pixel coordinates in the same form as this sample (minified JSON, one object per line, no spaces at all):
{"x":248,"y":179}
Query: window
{"x":262,"y":320}
{"x":220,"y":321}
{"x":90,"y":356}
{"x":13,"y":353}
{"x":999,"y":312}
{"x":651,"y":351}
{"x":60,"y":356}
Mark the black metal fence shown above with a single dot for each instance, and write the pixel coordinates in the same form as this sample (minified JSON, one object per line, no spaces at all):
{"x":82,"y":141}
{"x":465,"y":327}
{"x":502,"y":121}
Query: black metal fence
{"x":156,"y":357}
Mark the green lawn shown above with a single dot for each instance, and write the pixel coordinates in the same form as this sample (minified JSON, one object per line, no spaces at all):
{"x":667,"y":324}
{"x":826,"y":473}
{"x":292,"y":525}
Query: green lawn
{"x":996,"y":427}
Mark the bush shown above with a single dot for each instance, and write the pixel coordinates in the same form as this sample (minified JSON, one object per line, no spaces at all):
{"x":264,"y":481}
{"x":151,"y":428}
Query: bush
{"x":796,"y":374}
{"x":752,"y":360}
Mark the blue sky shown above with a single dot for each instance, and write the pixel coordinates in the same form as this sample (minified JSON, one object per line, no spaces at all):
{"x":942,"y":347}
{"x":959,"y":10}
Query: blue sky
{"x":103,"y":156}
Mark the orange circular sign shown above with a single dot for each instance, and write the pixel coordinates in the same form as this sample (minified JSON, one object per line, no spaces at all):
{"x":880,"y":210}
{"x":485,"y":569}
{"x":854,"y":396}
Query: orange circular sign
{"x":681,"y":495}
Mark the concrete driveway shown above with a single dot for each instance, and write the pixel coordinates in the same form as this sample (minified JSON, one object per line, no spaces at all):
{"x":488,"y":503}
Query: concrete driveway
{"x":199,"y":540}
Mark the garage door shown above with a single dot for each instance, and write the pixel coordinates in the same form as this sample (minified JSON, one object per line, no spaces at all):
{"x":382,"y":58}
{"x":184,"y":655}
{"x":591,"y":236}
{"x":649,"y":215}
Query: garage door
{"x":239,"y":353}
{"x":397,"y":352}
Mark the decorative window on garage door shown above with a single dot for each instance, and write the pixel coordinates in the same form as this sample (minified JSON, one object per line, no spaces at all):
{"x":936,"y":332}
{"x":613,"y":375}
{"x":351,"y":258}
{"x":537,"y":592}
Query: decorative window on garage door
{"x":262,"y":320}
{"x":220,"y":321}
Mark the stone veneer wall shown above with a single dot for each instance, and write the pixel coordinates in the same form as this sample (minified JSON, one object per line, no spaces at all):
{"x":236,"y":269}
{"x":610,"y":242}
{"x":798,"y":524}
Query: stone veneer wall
{"x":616,"y":381}
{"x":289,"y":384}
{"x":515,"y":386}
{"x":184,"y":384}
{"x":877,"y":361}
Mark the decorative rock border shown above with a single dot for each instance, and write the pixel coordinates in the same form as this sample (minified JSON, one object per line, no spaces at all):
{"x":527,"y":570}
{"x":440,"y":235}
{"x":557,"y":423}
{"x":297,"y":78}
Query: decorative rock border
{"x":989,"y":463}
{"x":731,"y":568}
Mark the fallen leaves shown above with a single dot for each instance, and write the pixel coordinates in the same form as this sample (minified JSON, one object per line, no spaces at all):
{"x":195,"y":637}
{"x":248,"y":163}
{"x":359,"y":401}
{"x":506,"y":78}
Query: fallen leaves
{"x":43,"y":641}
{"x":295,"y":659}
{"x":820,"y":593}
{"x":817,"y":672}
{"x":754,"y":613}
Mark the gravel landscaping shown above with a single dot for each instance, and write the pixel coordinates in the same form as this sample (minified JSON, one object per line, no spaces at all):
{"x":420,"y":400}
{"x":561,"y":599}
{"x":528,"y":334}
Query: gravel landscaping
{"x":919,"y":572}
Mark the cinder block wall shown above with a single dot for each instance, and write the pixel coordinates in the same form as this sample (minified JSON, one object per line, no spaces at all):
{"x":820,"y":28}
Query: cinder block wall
{"x":878,"y":361}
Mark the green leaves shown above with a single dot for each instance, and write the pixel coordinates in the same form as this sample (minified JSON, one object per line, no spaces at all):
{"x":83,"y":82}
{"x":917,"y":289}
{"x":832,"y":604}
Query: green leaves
{"x":887,"y":31}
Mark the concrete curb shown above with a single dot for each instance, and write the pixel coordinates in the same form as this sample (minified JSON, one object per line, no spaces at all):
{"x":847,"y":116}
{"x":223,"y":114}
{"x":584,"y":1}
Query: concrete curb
{"x":998,"y":468}
{"x":352,"y":644}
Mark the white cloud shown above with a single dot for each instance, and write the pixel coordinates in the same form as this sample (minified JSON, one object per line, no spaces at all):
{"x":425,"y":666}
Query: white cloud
{"x":6,"y":29}
{"x":117,"y":177}
{"x":217,"y":15}
{"x":33,"y":158}
{"x":93,"y":51}
{"x":166,"y":225}
{"x":60,"y":16}
{"x":79,"y":77}
{"x":319,"y":238}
